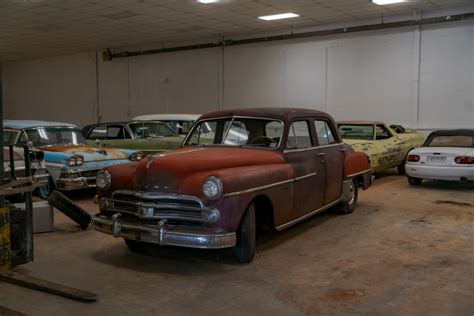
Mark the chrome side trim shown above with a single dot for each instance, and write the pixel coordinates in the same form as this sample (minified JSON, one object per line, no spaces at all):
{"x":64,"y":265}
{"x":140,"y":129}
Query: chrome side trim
{"x":257,"y":188}
{"x":310,"y":148}
{"x":302,"y":218}
{"x":306,"y":176}
{"x":358,"y":173}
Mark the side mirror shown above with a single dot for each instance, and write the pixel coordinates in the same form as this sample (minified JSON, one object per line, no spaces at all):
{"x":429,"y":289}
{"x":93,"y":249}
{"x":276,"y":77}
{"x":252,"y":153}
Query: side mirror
{"x":98,"y":144}
{"x":30,"y":145}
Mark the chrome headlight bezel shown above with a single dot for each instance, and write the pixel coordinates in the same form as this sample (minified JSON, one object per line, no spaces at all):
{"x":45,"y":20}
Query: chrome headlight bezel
{"x":103,"y":180}
{"x":212,"y":188}
{"x":136,"y":156}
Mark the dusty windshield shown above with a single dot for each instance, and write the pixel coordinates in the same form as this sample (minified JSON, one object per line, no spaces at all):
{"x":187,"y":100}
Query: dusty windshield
{"x":151,"y":129}
{"x":47,"y":136}
{"x":238,"y":132}
{"x":357,"y":131}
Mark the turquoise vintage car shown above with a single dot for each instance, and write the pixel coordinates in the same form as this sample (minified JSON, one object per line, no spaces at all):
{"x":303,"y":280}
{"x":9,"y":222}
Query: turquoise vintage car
{"x":71,"y":163}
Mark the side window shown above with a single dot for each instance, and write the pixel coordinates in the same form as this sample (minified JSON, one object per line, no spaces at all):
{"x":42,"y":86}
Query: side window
{"x":115,"y":132}
{"x":98,"y":132}
{"x":299,"y":135}
{"x":381,"y":132}
{"x":324,"y":133}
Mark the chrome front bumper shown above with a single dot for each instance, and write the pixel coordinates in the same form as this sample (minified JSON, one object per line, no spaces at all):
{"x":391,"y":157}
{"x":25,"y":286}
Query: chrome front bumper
{"x":164,"y":235}
{"x":66,"y":182}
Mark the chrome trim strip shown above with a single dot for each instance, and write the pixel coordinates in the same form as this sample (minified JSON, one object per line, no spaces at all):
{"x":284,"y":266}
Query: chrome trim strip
{"x":358,"y":173}
{"x":157,"y":196}
{"x":258,"y":188}
{"x":310,"y":148}
{"x":306,"y":176}
{"x":302,"y":218}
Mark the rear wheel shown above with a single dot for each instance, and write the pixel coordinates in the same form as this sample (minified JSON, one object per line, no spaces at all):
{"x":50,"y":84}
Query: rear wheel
{"x":414,"y":181}
{"x":401,"y":167}
{"x":349,"y":205}
{"x":246,"y":235}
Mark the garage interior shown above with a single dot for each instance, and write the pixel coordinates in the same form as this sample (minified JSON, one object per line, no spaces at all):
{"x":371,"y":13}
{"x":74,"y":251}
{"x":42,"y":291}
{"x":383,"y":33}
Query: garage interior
{"x":405,"y":250}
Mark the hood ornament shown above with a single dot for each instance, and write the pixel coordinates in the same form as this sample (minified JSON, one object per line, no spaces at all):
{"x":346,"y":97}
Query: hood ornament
{"x":150,"y":161}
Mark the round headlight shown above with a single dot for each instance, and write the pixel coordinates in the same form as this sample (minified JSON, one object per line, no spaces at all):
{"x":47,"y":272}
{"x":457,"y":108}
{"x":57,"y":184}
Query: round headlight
{"x":79,"y":160}
{"x":212,"y":188}
{"x":103,"y":179}
{"x":71,"y":162}
{"x":136,"y":156}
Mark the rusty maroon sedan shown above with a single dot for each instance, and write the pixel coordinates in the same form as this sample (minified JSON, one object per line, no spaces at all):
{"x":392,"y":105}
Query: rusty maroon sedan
{"x":270,"y":166}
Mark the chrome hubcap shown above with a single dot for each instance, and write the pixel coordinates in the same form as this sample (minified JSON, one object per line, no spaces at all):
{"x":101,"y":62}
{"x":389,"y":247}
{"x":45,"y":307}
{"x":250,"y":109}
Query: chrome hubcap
{"x":351,"y":194}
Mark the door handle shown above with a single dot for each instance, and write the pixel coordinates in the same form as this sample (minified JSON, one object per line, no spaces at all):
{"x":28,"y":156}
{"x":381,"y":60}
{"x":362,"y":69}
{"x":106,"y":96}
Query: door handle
{"x":343,"y":149}
{"x":321,"y":154}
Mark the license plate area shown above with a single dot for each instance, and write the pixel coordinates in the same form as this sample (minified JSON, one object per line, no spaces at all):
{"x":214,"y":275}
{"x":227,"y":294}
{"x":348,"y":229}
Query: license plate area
{"x":436,"y":159}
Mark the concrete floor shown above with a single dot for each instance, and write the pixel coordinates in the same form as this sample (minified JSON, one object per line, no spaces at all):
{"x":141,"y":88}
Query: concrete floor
{"x":406,"y":251}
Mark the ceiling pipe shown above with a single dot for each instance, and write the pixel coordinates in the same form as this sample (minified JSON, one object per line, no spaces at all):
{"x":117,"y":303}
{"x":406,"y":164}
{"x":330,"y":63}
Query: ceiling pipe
{"x":109,"y":55}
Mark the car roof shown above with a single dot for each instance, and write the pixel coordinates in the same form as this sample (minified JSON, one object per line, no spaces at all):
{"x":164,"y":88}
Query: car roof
{"x":361,"y":122}
{"x":453,"y":132}
{"x":21,"y":124}
{"x":168,"y":117}
{"x":122,"y":123}
{"x":283,"y":114}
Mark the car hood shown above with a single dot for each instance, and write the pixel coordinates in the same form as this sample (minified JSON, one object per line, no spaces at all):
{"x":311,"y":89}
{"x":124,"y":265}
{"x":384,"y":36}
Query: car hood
{"x":165,"y":171}
{"x":62,"y":153}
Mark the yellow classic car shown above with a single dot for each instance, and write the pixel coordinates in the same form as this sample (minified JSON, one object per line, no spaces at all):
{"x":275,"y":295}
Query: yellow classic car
{"x":387,"y":146}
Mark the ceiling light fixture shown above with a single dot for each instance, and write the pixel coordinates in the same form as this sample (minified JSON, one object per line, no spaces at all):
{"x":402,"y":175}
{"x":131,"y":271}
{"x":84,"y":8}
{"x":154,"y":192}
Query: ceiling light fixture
{"x":278,"y":16}
{"x":208,"y":1}
{"x":385,"y":2}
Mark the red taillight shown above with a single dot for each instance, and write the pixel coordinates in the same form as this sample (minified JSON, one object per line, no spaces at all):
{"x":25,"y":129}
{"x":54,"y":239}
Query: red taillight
{"x":413,"y":158}
{"x":464,"y":160}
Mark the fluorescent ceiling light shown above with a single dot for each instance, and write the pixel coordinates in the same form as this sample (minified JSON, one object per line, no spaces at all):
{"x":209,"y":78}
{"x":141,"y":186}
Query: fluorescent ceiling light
{"x":278,"y":16}
{"x":385,"y":2}
{"x":208,"y":1}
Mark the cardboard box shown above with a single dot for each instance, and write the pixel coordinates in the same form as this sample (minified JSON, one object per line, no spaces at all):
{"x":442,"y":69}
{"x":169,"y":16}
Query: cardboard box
{"x":43,"y":216}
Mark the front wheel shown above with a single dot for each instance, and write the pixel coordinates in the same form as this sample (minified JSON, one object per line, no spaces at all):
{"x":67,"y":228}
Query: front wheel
{"x":414,"y":181}
{"x":45,"y":191}
{"x":246,"y":236}
{"x":349,"y":205}
{"x":136,"y":246}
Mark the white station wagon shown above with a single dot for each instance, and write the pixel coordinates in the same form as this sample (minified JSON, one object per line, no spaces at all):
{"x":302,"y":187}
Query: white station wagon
{"x":445,"y":155}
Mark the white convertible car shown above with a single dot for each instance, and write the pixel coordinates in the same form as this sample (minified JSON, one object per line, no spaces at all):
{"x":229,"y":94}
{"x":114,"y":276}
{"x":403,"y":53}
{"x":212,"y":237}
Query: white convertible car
{"x":445,"y":155}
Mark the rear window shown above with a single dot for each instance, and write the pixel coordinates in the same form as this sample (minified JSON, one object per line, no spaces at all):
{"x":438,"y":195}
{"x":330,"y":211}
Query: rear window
{"x":450,"y":141}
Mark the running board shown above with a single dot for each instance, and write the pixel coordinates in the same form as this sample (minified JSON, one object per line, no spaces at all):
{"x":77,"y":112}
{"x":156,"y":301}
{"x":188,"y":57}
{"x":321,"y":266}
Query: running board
{"x":48,"y":287}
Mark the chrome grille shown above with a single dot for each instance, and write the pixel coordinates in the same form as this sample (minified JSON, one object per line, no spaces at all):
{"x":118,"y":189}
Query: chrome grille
{"x":155,"y":206}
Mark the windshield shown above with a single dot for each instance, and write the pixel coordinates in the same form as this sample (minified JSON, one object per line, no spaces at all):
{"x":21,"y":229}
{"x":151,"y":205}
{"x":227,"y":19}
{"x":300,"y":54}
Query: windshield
{"x":47,"y":136}
{"x":151,"y":129}
{"x":254,"y":132}
{"x":180,"y":126}
{"x":450,"y":141}
{"x":355,"y":131}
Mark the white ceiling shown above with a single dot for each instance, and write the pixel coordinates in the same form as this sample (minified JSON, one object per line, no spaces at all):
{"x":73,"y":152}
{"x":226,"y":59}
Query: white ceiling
{"x":38,"y":28}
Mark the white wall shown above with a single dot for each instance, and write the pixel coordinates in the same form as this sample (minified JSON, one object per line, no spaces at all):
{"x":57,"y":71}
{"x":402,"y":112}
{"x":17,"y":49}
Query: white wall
{"x":421,"y":79}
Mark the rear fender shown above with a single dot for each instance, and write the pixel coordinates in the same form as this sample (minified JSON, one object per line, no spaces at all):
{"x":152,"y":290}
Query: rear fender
{"x":357,"y":166}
